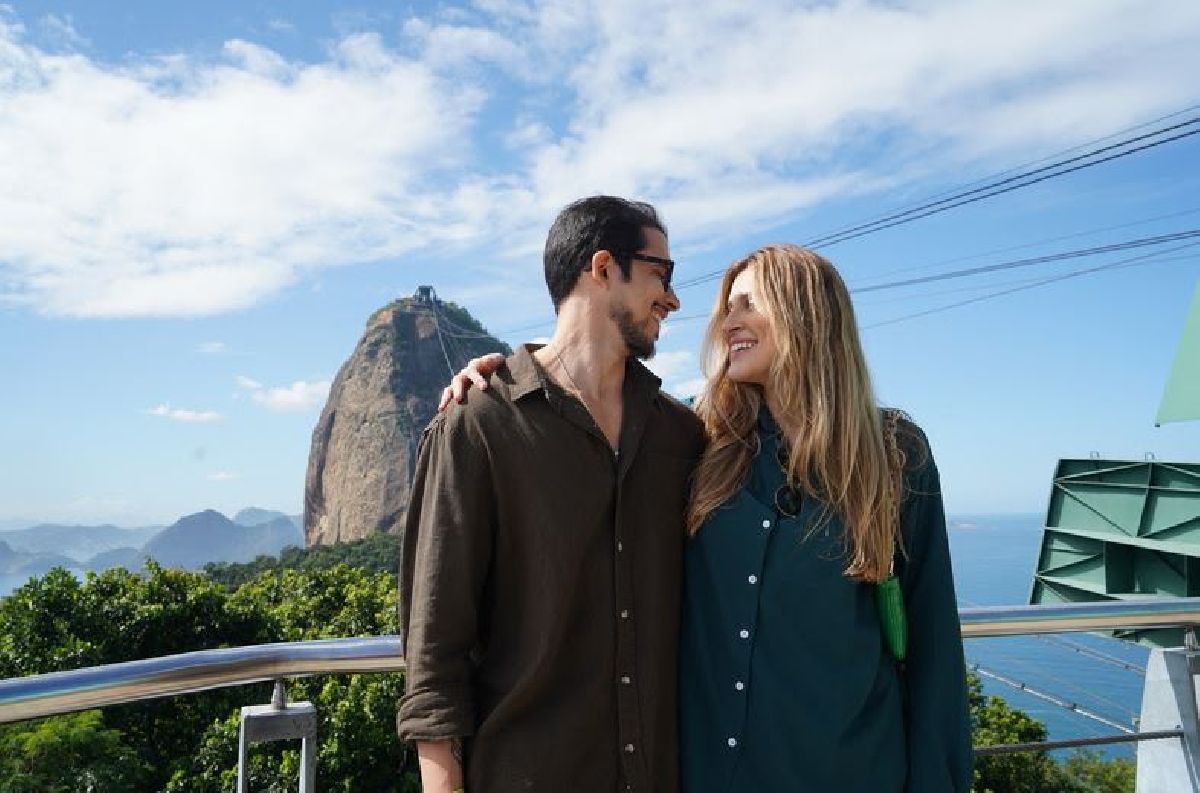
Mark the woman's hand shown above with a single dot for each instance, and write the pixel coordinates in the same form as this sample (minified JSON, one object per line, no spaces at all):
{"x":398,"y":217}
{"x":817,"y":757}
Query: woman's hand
{"x":475,"y":372}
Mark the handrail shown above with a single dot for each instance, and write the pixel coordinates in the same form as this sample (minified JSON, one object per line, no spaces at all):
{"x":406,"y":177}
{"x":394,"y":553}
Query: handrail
{"x":1103,"y":615}
{"x":187,"y":673}
{"x":172,"y":675}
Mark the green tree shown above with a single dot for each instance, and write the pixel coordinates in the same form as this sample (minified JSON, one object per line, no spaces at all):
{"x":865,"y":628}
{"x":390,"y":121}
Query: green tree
{"x":59,"y":622}
{"x":67,"y":754}
{"x":378,"y":553}
{"x":1090,"y":772}
{"x":358,"y":747}
{"x":995,"y":722}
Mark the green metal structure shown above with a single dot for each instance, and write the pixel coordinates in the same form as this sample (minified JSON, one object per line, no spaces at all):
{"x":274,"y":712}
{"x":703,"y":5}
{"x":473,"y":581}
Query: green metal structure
{"x":1121,"y":530}
{"x":1181,"y":397}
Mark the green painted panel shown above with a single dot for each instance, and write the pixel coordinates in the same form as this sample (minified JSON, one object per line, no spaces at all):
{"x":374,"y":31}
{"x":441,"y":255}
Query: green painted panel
{"x":1177,"y":475}
{"x":1102,"y":508}
{"x":1168,"y":509}
{"x":1159,"y":574}
{"x":1121,"y":529}
{"x":1181,"y":399}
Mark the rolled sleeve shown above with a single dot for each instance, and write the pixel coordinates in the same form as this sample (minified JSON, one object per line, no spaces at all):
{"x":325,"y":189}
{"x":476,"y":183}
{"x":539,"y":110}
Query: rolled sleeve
{"x":938,"y":719}
{"x":444,"y":567}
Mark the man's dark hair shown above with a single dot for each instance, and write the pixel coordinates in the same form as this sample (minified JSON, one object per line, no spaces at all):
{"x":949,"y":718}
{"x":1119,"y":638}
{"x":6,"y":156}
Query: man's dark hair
{"x":598,"y":223}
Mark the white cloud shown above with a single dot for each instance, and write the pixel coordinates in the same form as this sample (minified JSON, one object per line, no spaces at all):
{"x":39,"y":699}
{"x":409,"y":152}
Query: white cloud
{"x":60,"y":31}
{"x":300,"y":395}
{"x":458,"y":45}
{"x":687,"y":388}
{"x":185,"y":415}
{"x":179,"y":185}
{"x":221,"y":476}
{"x":211,"y":348}
{"x":670,"y":366}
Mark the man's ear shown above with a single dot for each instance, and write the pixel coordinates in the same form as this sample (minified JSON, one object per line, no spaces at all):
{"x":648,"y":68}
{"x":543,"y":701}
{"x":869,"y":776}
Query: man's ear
{"x":602,"y":262}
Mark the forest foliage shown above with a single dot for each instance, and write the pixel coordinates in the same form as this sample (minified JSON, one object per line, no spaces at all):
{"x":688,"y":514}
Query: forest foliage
{"x":189,"y":743}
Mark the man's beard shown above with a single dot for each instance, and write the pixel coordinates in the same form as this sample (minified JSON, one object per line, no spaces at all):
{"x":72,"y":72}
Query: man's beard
{"x":638,"y":341}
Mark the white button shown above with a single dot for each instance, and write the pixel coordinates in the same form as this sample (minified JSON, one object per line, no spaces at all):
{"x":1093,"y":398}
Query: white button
{"x":745,"y":634}
{"x":739,"y":685}
{"x":626,"y":679}
{"x":624,"y":614}
{"x":753,"y":579}
{"x":620,"y":547}
{"x":732,"y":742}
{"x":629,"y":748}
{"x":766,"y":524}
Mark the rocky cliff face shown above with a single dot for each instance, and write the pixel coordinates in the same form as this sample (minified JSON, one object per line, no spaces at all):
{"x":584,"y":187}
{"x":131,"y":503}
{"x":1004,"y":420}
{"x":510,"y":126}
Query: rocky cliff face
{"x":365,"y":443}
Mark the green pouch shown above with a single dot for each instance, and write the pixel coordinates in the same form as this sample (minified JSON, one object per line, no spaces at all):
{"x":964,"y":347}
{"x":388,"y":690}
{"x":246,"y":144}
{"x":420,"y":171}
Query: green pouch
{"x":892,"y":619}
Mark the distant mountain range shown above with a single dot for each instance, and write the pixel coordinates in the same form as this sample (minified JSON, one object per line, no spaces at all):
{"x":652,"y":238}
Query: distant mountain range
{"x":191,"y":542}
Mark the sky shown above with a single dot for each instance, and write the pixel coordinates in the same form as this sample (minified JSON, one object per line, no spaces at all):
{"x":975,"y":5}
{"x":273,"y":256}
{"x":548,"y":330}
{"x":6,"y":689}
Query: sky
{"x":202,"y":203}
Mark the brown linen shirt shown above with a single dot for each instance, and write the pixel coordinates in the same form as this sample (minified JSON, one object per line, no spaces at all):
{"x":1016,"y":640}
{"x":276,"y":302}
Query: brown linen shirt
{"x":540,"y":586}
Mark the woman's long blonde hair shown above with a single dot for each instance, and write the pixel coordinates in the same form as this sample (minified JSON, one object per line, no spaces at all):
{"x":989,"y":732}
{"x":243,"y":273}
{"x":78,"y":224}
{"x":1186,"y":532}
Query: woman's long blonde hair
{"x":842,"y":447}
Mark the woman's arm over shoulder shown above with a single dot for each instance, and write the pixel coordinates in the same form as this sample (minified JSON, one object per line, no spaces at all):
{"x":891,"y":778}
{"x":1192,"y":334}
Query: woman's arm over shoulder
{"x":938,"y":722}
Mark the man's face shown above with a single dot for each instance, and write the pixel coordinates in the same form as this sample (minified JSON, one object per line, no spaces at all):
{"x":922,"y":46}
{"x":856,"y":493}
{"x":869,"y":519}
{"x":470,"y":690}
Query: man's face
{"x":640,"y":306}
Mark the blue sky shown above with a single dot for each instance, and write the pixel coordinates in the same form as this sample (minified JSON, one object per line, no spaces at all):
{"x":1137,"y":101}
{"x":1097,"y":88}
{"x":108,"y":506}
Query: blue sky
{"x":203,"y":202}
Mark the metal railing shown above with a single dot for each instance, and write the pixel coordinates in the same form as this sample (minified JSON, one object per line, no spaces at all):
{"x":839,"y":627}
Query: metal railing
{"x":172,"y":675}
{"x":113,"y":684}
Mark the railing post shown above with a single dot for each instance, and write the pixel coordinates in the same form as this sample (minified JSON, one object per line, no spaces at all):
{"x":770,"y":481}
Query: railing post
{"x":276,"y":722}
{"x":1169,"y":703}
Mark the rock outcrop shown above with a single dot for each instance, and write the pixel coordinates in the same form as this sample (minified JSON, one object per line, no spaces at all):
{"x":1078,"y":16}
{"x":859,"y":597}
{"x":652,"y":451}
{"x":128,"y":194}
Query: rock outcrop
{"x":364,"y":446}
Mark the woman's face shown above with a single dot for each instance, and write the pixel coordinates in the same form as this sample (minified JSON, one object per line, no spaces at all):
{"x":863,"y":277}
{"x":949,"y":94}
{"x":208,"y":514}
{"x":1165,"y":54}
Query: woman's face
{"x":749,"y":341}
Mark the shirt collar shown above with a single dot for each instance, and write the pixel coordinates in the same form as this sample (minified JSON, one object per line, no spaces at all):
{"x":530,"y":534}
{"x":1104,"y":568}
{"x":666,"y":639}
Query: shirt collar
{"x":766,"y":422}
{"x":527,"y":376}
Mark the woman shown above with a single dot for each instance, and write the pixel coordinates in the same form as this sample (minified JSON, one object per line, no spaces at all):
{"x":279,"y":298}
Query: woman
{"x":807,"y":500}
{"x":808,"y":496}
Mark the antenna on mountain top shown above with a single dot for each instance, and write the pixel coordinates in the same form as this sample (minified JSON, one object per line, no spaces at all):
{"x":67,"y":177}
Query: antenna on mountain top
{"x":426,"y":295}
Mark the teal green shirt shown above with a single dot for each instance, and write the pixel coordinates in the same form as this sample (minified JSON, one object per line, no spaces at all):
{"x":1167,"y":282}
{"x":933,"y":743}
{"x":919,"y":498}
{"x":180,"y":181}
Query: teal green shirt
{"x":785,"y":683}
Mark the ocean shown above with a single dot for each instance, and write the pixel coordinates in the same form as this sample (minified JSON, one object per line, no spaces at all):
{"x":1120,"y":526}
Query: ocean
{"x":994,"y":557}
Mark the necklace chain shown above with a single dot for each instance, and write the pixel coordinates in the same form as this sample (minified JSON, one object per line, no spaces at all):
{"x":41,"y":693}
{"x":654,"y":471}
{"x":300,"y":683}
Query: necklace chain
{"x":567,"y":369}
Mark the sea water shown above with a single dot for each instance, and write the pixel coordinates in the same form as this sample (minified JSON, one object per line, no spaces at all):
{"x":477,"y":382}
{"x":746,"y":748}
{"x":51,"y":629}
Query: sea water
{"x":994,"y":558}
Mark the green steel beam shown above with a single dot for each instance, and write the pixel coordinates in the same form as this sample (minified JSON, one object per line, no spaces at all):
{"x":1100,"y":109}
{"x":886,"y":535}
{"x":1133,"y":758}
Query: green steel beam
{"x":1181,"y":398}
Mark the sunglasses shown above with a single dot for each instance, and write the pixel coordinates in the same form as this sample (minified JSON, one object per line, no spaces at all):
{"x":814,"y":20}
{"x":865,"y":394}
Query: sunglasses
{"x":667,"y":263}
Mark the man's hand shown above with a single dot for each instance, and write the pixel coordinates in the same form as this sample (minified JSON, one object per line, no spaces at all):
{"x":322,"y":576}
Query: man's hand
{"x":441,"y":765}
{"x":476,"y":372}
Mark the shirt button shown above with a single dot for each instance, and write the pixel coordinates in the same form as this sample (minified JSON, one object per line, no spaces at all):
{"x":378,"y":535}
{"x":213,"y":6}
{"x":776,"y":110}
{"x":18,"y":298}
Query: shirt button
{"x":745,"y":634}
{"x":624,"y":614}
{"x":739,"y":685}
{"x":766,"y":524}
{"x":732,"y":743}
{"x":626,"y":679}
{"x":753,"y":579}
{"x":620,"y":546}
{"x":628,"y":748}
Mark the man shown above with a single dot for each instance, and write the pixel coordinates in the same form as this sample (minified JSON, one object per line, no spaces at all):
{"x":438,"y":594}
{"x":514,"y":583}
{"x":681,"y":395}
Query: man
{"x":541,"y":573}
